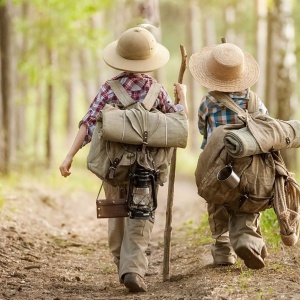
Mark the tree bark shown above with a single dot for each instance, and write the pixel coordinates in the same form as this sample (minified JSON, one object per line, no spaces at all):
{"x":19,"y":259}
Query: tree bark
{"x":6,"y":86}
{"x":261,"y":45}
{"x":71,"y":89}
{"x":284,"y":60}
{"x":195,"y":91}
{"x":50,"y":111}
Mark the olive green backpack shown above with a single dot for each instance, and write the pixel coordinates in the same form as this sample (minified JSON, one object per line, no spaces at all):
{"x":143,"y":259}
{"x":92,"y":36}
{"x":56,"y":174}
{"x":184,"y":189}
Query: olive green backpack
{"x":113,"y":161}
{"x":264,"y":181}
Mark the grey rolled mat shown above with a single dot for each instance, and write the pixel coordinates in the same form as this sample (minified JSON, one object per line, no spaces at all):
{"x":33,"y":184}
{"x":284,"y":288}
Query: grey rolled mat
{"x":240,"y":143}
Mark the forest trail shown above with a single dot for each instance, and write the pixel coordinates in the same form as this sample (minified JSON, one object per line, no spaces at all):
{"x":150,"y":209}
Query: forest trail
{"x":52,"y":247}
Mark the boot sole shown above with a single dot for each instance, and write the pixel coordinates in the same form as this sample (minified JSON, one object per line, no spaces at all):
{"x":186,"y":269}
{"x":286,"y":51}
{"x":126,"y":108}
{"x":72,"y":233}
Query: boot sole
{"x":133,"y":285}
{"x":251,"y":260}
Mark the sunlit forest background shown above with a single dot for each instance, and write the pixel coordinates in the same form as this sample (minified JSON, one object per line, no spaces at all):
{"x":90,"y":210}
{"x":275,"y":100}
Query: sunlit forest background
{"x":51,"y":65}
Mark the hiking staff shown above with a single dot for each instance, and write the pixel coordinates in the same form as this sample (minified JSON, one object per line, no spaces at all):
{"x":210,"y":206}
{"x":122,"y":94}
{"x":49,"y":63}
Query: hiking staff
{"x":168,"y":226}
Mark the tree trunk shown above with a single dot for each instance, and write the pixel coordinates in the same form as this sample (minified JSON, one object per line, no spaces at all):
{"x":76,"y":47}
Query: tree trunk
{"x":71,"y":88}
{"x":6,"y":86}
{"x":195,"y":91}
{"x":50,"y":111}
{"x":284,"y":60}
{"x":22,"y":83}
{"x":261,"y":45}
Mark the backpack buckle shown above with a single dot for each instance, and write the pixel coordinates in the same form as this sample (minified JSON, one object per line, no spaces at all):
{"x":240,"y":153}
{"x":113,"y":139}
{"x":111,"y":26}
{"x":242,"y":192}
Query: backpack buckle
{"x":242,"y":200}
{"x":112,"y":168}
{"x":145,"y":141}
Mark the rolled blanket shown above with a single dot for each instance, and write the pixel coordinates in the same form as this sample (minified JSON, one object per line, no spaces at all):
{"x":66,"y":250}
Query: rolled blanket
{"x":273,"y":134}
{"x":295,"y":124}
{"x":263,"y":134}
{"x":240,"y":143}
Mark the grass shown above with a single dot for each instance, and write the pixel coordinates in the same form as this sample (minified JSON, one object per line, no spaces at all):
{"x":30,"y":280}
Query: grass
{"x":270,"y":229}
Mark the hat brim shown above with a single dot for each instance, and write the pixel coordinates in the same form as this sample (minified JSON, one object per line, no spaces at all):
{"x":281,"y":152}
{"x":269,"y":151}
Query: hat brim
{"x":198,"y":68}
{"x":114,"y":60}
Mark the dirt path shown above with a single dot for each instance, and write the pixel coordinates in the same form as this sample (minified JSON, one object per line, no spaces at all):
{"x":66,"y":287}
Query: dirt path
{"x":52,"y":247}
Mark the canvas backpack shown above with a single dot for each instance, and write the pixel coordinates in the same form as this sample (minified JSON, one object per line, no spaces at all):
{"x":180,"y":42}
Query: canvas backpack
{"x":257,"y":173}
{"x":113,"y":161}
{"x":141,"y":123}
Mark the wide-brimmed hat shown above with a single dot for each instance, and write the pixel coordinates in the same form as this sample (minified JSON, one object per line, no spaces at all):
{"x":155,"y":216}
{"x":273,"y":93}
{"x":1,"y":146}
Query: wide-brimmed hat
{"x":136,"y":51}
{"x":224,"y":67}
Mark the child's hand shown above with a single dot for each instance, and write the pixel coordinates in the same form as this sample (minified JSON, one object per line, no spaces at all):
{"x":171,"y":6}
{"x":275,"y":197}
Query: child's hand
{"x":66,"y":166}
{"x":180,"y":91}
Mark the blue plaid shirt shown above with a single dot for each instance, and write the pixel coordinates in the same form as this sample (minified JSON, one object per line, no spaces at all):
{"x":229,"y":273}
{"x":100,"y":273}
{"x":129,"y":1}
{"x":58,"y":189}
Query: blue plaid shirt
{"x":215,"y":113}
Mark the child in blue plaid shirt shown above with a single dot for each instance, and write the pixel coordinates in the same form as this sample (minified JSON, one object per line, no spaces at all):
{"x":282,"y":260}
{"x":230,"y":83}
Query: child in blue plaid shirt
{"x":226,"y":68}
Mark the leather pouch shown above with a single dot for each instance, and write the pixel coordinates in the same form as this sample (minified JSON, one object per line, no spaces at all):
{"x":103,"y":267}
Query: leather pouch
{"x":112,"y":208}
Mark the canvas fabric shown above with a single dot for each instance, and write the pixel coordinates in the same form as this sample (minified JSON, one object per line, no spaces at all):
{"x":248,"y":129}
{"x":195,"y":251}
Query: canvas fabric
{"x":138,"y":123}
{"x":114,"y":161}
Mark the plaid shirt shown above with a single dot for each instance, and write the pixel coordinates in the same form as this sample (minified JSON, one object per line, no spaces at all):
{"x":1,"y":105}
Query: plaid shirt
{"x":215,"y":114}
{"x":137,"y":86}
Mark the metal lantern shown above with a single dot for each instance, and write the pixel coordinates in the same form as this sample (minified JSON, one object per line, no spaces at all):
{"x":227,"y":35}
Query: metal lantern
{"x":142,"y":199}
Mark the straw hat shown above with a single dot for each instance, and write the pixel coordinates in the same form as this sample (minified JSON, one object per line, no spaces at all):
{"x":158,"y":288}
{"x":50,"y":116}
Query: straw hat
{"x":224,"y":67}
{"x":136,"y":51}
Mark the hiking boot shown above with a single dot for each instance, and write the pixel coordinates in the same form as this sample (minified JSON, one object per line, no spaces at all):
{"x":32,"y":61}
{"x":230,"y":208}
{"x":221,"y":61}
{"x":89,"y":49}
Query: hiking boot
{"x":224,"y":260}
{"x":223,"y":254}
{"x":251,"y":259}
{"x":264,"y":252}
{"x":135,"y":283}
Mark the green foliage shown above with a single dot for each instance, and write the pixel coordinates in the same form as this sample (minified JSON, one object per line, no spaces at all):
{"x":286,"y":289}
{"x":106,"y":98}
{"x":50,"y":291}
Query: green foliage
{"x":201,"y":233}
{"x":2,"y":200}
{"x":270,"y":229}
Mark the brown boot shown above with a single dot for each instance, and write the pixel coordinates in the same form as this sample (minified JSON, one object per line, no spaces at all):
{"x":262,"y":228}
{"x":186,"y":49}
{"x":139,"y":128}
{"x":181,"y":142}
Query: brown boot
{"x":135,"y":283}
{"x":251,"y":259}
{"x":223,"y":254}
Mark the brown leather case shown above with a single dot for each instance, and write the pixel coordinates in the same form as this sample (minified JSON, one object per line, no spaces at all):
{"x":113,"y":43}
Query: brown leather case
{"x":108,"y":208}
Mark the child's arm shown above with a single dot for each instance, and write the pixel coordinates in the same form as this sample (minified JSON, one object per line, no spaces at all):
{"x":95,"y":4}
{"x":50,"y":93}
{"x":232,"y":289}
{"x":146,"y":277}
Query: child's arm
{"x":77,"y":144}
{"x":180,"y":90}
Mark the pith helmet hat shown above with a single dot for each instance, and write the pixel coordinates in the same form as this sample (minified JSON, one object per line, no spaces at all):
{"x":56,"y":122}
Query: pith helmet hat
{"x":224,"y":67}
{"x":136,"y":51}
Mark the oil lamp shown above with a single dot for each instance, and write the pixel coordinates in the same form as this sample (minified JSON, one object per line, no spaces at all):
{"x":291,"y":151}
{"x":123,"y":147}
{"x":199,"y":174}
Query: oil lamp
{"x":142,"y":199}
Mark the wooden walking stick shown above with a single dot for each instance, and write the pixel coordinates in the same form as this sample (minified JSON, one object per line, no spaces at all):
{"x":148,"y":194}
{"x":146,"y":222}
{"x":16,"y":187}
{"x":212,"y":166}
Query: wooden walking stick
{"x":168,"y":226}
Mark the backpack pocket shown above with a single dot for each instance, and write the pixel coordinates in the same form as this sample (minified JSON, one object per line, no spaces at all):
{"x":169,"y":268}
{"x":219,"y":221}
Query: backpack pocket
{"x":253,"y":204}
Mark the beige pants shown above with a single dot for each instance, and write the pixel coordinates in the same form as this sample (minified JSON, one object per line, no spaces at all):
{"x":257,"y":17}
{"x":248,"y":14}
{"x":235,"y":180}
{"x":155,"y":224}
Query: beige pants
{"x":231,"y":230}
{"x":128,"y":239}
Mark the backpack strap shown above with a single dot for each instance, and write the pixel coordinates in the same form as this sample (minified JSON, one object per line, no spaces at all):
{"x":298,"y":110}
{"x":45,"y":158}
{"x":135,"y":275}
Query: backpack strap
{"x":225,"y":99}
{"x":126,"y":100}
{"x":253,"y":103}
{"x":121,"y":93}
{"x":151,"y":95}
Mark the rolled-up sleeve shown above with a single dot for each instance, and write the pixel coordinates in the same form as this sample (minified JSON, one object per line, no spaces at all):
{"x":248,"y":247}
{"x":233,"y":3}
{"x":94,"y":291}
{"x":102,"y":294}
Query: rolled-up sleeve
{"x":90,"y":117}
{"x":202,"y":116}
{"x":166,"y":104}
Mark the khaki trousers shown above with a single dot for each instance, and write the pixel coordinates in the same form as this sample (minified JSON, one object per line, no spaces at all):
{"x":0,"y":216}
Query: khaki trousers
{"x":128,"y":239}
{"x":232,"y":230}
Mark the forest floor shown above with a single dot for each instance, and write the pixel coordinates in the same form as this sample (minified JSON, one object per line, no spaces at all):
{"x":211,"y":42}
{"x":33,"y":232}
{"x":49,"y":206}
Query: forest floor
{"x":52,"y":247}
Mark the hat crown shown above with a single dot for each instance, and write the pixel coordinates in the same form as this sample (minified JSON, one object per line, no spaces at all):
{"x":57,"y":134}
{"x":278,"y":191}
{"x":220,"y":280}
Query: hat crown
{"x":136,"y":44}
{"x":226,"y":62}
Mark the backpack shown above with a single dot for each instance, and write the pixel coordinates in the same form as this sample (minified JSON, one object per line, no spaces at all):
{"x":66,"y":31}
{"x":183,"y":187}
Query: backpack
{"x":263,"y":179}
{"x":140,"y":123}
{"x":113,"y":161}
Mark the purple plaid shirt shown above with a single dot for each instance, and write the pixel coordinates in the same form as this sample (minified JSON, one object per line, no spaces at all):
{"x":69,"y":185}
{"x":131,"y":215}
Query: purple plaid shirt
{"x":137,"y":86}
{"x":215,"y":114}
